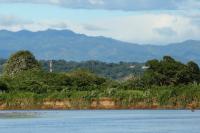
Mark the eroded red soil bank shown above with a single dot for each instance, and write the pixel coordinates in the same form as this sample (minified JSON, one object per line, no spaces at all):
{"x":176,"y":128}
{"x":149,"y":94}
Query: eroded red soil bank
{"x":103,"y":103}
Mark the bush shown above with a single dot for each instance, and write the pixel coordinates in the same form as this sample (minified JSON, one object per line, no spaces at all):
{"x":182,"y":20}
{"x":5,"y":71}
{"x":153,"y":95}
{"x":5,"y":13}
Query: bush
{"x":3,"y":86}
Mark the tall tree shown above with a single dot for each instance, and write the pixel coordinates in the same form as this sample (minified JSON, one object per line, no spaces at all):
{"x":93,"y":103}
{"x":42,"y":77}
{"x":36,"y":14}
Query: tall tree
{"x":194,"y":71}
{"x":20,"y":61}
{"x":168,"y":71}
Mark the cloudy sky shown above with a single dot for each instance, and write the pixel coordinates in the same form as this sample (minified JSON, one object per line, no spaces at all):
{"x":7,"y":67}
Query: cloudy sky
{"x":138,"y":21}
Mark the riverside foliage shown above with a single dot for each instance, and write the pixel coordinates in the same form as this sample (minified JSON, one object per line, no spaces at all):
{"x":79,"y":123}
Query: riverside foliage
{"x":166,"y":82}
{"x":114,"y":71}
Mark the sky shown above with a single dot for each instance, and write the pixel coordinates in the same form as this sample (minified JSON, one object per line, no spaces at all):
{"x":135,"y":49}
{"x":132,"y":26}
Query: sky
{"x":156,"y":22}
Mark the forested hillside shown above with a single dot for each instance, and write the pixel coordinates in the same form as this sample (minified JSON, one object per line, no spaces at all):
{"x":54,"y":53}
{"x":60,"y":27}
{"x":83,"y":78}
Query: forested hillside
{"x":68,"y":45}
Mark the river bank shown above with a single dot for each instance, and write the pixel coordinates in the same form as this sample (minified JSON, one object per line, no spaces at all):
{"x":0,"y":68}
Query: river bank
{"x":81,"y":104}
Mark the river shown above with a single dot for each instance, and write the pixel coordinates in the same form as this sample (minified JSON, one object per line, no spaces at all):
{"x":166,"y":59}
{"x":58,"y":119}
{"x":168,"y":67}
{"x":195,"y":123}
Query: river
{"x":100,"y":121}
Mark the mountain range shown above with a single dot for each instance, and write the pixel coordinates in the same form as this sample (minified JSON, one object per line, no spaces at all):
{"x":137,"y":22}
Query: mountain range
{"x":67,"y":45}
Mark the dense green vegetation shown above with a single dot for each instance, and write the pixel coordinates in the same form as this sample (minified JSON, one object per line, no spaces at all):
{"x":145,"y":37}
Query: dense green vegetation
{"x":110,"y":70}
{"x":19,"y":62}
{"x":171,"y":72}
{"x":165,"y":82}
{"x":120,"y":70}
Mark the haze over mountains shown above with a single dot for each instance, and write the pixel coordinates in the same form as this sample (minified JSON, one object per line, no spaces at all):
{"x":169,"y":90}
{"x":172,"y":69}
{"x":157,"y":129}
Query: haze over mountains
{"x":67,"y":45}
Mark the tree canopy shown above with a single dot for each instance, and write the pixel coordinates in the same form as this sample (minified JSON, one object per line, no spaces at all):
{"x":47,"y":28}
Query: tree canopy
{"x":168,"y":71}
{"x":20,"y":61}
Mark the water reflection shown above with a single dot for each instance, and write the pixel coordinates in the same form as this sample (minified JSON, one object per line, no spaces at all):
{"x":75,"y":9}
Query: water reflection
{"x":18,"y":114}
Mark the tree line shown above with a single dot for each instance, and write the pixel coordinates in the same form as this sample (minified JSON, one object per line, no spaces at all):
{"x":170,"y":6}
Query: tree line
{"x":165,"y":81}
{"x":116,"y":71}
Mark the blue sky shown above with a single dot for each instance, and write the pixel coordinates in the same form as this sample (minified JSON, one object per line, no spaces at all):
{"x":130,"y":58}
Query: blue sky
{"x":137,"y":21}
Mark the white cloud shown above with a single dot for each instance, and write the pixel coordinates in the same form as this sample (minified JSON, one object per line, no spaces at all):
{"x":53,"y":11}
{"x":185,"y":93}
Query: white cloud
{"x":96,"y":2}
{"x":55,"y":1}
{"x":149,"y":28}
{"x":141,"y":28}
{"x":165,"y":31}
